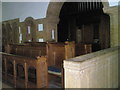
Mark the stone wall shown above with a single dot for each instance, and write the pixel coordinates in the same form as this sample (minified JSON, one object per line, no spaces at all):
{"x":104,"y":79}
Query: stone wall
{"x":11,"y":33}
{"x":95,"y":70}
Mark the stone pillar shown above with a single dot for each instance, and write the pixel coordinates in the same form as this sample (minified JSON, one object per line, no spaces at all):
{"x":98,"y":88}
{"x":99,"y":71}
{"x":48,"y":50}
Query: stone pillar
{"x":16,"y":32}
{"x":23,"y":31}
{"x":52,"y":17}
{"x":52,"y":25}
{"x":0,"y":37}
{"x":113,"y":12}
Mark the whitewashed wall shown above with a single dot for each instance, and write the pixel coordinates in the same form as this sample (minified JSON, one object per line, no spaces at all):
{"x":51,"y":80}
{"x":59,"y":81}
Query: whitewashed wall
{"x":95,"y":70}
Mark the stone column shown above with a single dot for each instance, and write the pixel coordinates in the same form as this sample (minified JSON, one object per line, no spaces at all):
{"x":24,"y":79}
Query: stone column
{"x":52,"y":25}
{"x":23,"y":31}
{"x":113,"y":12}
{"x":52,"y":17}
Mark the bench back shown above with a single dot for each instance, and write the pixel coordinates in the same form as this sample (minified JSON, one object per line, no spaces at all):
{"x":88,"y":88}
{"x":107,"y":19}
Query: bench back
{"x":29,"y":50}
{"x":82,"y":49}
{"x":57,"y":52}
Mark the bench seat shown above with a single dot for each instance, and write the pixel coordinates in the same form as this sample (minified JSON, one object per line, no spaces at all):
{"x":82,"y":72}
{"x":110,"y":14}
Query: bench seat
{"x":54,"y":71}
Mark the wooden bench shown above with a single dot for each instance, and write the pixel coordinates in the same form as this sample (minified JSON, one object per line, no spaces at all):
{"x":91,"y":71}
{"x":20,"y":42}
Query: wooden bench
{"x":27,"y":49}
{"x":56,"y":53}
{"x":52,"y":50}
{"x":81,"y":49}
{"x":16,"y":70}
{"x":42,"y":48}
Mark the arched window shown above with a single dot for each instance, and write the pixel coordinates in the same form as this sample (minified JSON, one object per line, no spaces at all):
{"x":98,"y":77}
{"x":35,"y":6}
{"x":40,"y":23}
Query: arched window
{"x":53,"y":34}
{"x":20,"y":35}
{"x":40,"y":27}
{"x":29,"y":30}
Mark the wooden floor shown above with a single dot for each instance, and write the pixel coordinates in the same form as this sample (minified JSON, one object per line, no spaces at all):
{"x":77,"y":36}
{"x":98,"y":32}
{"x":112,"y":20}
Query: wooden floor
{"x":54,"y":82}
{"x":51,"y":85}
{"x":4,"y":85}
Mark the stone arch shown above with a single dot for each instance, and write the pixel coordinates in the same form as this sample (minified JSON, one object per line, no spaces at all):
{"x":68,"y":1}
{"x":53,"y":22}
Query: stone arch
{"x":54,"y":8}
{"x":53,"y":12}
{"x":29,"y":21}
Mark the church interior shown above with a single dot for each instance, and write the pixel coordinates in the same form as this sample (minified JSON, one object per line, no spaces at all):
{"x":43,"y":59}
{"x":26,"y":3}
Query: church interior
{"x":75,"y":46}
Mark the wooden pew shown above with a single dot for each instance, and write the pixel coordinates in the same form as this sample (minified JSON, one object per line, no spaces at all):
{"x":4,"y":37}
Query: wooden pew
{"x":56,"y":53}
{"x":60,"y":51}
{"x":33,"y":49}
{"x":28,"y":50}
{"x":81,"y":48}
{"x":11,"y":71}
